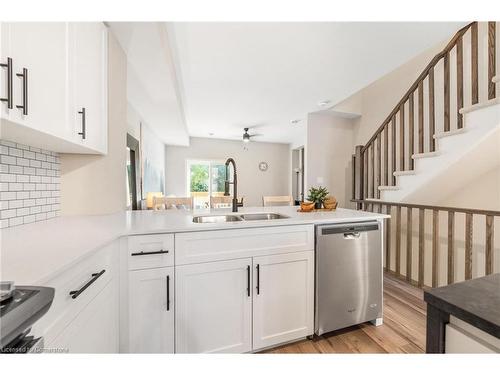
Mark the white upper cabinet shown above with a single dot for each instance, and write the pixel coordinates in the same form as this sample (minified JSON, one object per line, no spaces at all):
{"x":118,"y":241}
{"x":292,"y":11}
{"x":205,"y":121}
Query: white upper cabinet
{"x":39,"y":50}
{"x":57,"y":69}
{"x":88,"y":84}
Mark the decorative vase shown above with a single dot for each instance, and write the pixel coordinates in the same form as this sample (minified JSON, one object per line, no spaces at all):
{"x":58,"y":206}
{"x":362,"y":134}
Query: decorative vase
{"x":317,"y":205}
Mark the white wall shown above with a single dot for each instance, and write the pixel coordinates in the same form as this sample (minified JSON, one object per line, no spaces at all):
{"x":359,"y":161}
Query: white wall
{"x":328,"y":154}
{"x":377,"y":100}
{"x":252,"y":183}
{"x":95,"y":184}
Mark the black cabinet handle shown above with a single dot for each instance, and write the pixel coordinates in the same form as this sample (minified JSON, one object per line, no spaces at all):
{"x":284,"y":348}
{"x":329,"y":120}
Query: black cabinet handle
{"x":8,"y":99}
{"x":149,"y":252}
{"x":258,"y":279}
{"x":83,"y":133}
{"x":248,"y":281}
{"x":168,"y":293}
{"x":24,"y":106}
{"x":95,"y":276}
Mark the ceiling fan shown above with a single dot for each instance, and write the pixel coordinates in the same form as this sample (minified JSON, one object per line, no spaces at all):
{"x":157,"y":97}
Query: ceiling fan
{"x":247,"y":137}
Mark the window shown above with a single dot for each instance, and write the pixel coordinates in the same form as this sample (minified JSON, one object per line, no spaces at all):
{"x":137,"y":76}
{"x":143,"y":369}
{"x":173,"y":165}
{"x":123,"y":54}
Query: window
{"x":205,"y":179}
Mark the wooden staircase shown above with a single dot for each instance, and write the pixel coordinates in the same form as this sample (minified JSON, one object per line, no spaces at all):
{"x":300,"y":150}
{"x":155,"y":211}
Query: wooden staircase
{"x":424,"y":114}
{"x":459,"y":82}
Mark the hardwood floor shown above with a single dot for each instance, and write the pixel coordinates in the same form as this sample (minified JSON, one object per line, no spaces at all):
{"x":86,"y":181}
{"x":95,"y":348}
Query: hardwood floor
{"x":403,"y":330}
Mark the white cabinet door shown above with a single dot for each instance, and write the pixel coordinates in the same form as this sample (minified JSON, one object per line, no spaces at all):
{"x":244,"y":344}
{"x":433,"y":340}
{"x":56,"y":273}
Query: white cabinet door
{"x":41,"y":49}
{"x":151,"y":310}
{"x":283,"y":298}
{"x":95,"y":328}
{"x":88,"y":84}
{"x":214,"y":307}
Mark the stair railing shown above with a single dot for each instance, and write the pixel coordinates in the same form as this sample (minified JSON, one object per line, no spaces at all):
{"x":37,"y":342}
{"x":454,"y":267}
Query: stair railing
{"x":408,"y":244}
{"x":371,"y":166}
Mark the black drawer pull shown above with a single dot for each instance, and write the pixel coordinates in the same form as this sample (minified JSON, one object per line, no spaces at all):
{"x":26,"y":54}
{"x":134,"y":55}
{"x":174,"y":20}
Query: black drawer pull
{"x":83,"y":133}
{"x":168,"y":293}
{"x":248,"y":281}
{"x":95,"y":276}
{"x":24,"y":106}
{"x":258,"y":279}
{"x":149,"y":252}
{"x":9,"y":97}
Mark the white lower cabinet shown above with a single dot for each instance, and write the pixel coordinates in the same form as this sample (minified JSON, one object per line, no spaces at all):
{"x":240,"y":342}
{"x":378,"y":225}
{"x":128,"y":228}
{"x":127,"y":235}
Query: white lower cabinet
{"x":95,"y":328}
{"x":214,"y":307}
{"x":283,"y":298}
{"x":151,"y":310}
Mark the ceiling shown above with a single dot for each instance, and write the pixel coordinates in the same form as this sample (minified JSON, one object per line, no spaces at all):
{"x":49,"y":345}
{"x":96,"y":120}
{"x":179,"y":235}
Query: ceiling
{"x":152,"y":87}
{"x":197,"y":79}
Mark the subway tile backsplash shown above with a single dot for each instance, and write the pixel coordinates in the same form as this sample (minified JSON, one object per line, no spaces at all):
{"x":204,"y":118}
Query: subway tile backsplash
{"x":30,"y":184}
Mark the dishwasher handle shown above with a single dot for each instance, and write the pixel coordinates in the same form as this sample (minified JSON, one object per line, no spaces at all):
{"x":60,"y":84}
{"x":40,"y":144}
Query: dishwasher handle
{"x":353,"y":230}
{"x":351,"y":235}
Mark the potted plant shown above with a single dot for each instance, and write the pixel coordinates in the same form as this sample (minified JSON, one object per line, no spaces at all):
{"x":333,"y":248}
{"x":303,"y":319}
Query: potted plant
{"x":318,"y":196}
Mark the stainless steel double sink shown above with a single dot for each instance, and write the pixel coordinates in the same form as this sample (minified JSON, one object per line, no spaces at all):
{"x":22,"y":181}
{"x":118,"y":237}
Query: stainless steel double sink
{"x":240,"y":217}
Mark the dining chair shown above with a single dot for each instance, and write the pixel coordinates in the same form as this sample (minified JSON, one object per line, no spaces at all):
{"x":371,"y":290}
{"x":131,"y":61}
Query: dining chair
{"x":168,"y":203}
{"x":277,"y":200}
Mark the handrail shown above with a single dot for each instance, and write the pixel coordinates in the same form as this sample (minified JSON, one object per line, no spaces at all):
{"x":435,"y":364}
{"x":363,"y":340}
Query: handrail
{"x":420,"y":78}
{"x":472,"y":211}
{"x":395,"y":223}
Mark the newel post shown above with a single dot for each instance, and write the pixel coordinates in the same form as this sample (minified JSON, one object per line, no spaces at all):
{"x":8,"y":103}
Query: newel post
{"x":358,"y":175}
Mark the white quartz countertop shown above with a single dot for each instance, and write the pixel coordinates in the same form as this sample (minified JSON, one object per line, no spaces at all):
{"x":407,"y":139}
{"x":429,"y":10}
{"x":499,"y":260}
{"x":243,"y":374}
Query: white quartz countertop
{"x":34,"y":253}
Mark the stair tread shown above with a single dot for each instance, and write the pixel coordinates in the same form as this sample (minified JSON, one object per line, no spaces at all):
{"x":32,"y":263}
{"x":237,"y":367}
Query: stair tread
{"x":425,"y":155}
{"x":449,"y":133}
{"x":388,"y":187}
{"x":479,"y":105}
{"x":404,"y":173}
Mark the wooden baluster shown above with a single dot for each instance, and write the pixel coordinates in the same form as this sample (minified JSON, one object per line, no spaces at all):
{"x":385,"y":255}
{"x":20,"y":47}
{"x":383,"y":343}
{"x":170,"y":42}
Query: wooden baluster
{"x":365,"y":174}
{"x":358,"y":177}
{"x":379,"y":163}
{"x":474,"y":64}
{"x":388,"y":238}
{"x":468,"y":246}
{"x":411,"y":132}
{"x":409,"y":250}
{"x":490,"y":230}
{"x":402,"y":137}
{"x":393,"y":152}
{"x":398,"y":240}
{"x":421,"y":246}
{"x":451,"y":247}
{"x":432,"y":130}
{"x":446,"y":62}
{"x":435,"y":248}
{"x":372,"y":163}
{"x":421,"y":117}
{"x":386,"y":155}
{"x":491,"y":59}
{"x":460,"y":82}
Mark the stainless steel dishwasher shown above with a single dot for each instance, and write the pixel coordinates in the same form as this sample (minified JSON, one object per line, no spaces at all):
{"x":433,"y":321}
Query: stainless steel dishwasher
{"x":348,"y":275}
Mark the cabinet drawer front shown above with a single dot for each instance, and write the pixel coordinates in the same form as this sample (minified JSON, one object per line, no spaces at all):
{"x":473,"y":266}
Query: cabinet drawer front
{"x":459,"y":341}
{"x":209,"y":246}
{"x":150,"y":251}
{"x":64,"y":307}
